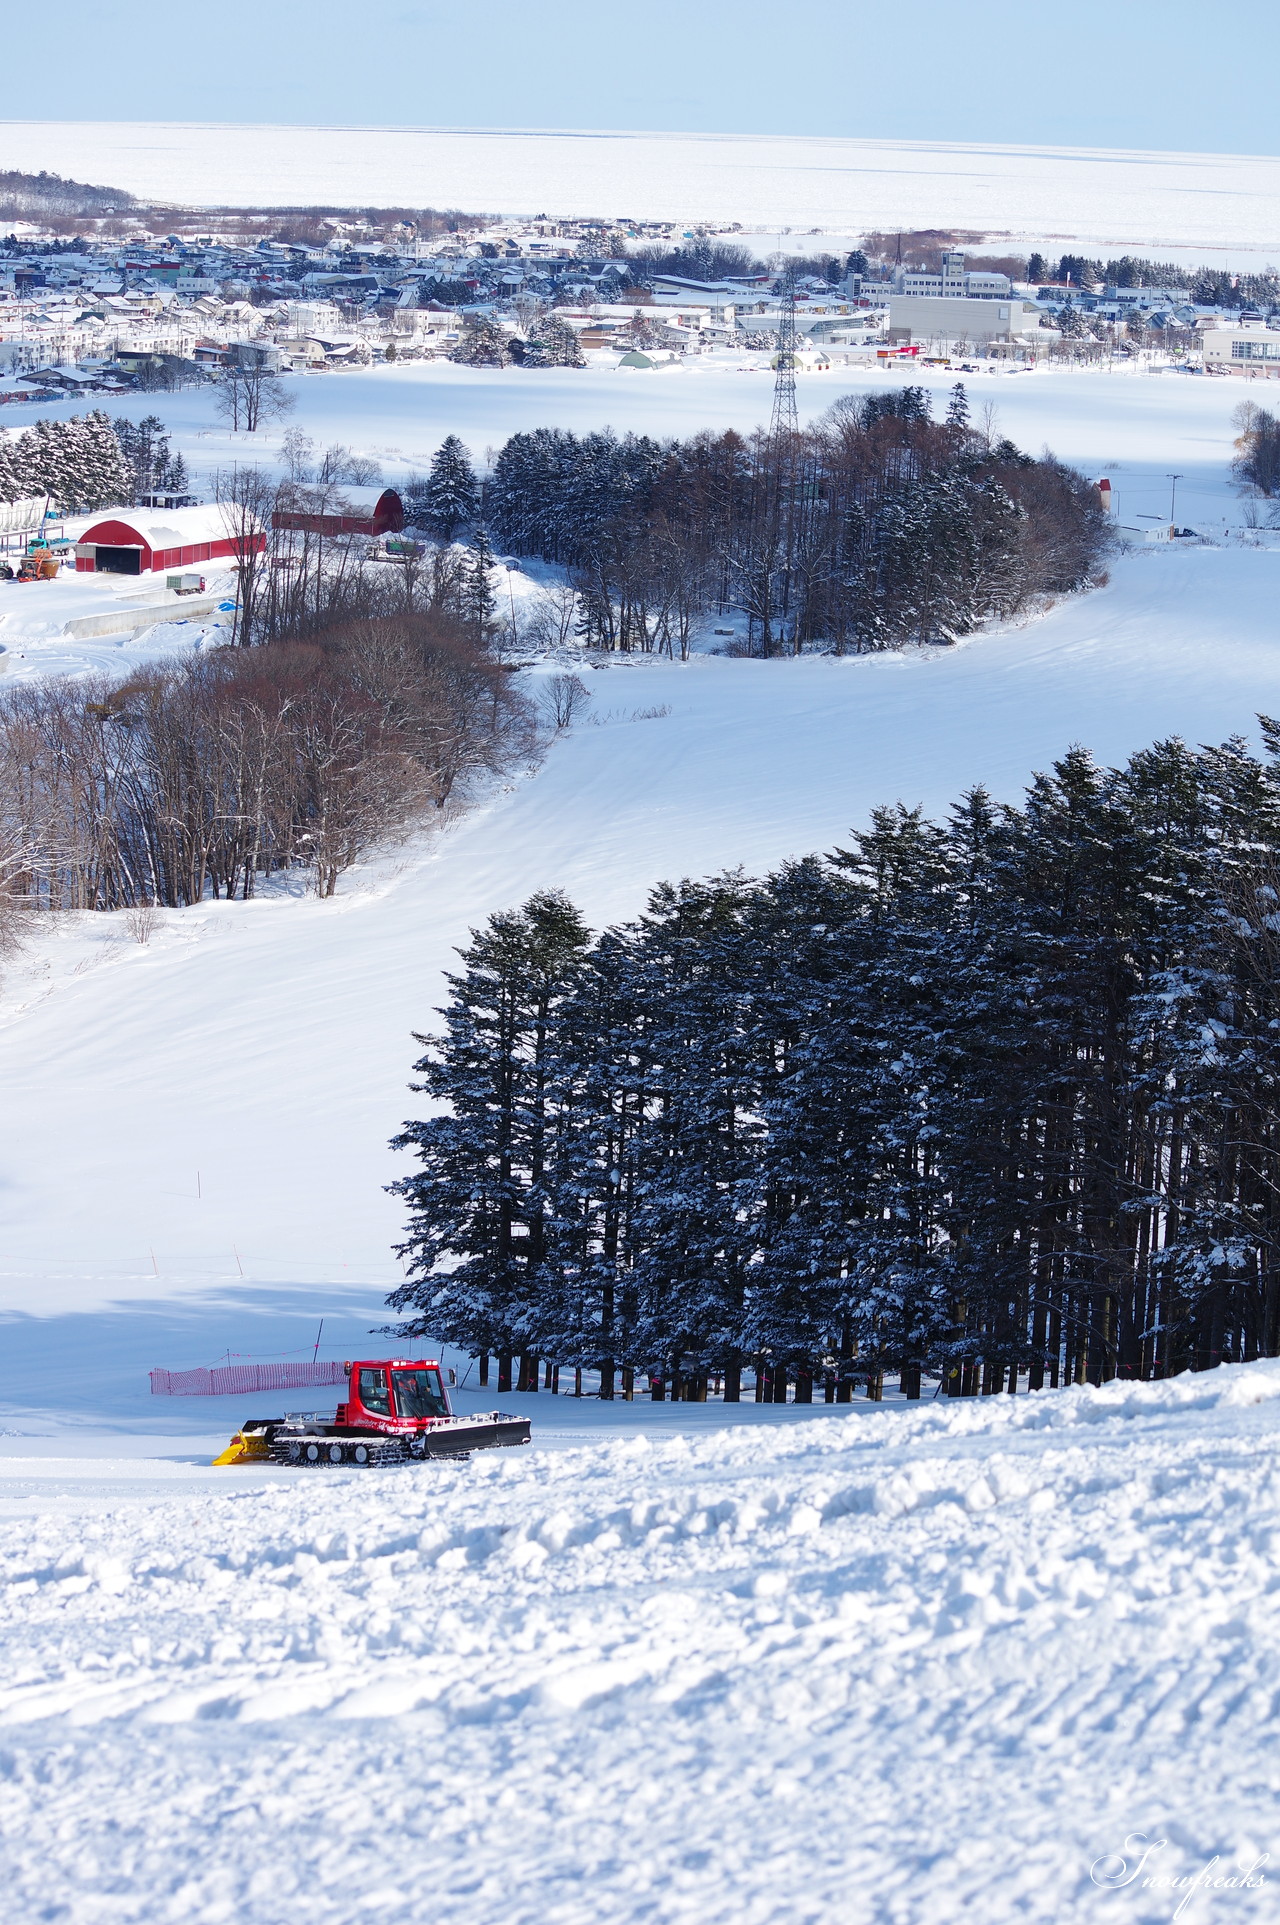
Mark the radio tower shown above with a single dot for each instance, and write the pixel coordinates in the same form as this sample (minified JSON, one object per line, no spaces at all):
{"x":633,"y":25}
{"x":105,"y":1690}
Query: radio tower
{"x":786,"y":422}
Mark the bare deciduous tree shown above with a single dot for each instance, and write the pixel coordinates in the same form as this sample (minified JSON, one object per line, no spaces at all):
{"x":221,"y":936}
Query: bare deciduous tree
{"x":249,"y":395}
{"x":563,"y":699}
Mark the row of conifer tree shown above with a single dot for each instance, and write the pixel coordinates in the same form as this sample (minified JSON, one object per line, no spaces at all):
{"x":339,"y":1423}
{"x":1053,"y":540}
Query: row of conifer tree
{"x":877,"y":525}
{"x":987,"y":1105}
{"x":88,"y":462}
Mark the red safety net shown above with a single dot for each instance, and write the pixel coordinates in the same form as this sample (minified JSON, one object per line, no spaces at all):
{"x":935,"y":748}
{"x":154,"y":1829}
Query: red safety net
{"x":236,"y":1379}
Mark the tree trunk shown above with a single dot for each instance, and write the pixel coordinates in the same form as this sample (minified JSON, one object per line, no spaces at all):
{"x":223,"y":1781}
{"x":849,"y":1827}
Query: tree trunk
{"x":628,"y":1384}
{"x":504,"y":1370}
{"x":484,"y":1370}
{"x":804,"y":1386}
{"x":909,"y":1381}
{"x":779,"y":1385}
{"x":733,"y":1383}
{"x":657,"y":1390}
{"x":577,"y":1380}
{"x":606,"y":1380}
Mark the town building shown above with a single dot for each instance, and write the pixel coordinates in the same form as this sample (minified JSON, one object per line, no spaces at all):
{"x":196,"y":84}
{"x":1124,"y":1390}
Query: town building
{"x":1242,"y":350}
{"x":954,"y":318}
{"x":953,"y":281}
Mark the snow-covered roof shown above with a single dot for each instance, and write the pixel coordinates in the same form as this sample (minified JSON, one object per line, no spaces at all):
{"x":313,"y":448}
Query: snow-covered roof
{"x":168,"y":527}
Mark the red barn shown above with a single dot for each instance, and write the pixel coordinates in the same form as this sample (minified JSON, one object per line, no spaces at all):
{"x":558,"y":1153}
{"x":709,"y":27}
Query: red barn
{"x":144,"y":541}
{"x":357,"y":511}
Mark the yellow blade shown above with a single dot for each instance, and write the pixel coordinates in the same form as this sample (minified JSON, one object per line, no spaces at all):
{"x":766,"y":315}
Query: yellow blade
{"x":243,"y":1450}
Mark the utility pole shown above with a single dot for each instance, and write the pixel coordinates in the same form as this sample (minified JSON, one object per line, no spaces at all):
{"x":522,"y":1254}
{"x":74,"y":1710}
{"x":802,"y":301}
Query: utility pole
{"x":1173,"y":495}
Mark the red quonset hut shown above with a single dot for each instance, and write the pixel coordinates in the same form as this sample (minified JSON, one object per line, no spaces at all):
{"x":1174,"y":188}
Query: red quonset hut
{"x":144,"y":541}
{"x":357,"y":511}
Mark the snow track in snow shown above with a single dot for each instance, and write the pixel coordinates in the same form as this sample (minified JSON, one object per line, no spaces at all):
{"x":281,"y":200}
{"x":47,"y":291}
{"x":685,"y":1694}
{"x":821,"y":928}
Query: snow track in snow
{"x":923,"y":1665}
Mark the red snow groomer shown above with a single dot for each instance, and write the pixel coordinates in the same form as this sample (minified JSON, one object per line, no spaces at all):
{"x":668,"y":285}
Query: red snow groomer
{"x":397,"y":1412}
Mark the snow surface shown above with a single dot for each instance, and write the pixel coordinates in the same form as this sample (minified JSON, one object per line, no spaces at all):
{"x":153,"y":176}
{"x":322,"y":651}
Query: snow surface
{"x":1112,"y":199}
{"x":959,"y":1662}
{"x":229,"y":1088}
{"x":675,"y":1663}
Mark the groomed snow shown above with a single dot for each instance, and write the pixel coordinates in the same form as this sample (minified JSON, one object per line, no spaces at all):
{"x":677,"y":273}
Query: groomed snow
{"x":1113,"y":199}
{"x":198,"y":1126}
{"x":933,"y":1666}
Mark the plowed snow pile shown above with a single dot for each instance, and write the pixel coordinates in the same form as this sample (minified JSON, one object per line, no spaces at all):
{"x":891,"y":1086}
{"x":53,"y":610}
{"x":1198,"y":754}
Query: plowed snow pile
{"x":912,"y":1665}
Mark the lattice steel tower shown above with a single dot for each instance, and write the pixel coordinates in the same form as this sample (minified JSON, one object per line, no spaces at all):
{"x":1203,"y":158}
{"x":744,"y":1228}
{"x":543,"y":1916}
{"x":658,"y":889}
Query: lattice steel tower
{"x":785,"y":422}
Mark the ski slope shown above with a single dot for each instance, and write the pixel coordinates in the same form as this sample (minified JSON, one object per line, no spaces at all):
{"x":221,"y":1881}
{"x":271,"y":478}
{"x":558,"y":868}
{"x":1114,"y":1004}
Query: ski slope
{"x":1010,"y":1660}
{"x":1113,"y":200}
{"x":197,"y":1128}
{"x":214,"y":1108}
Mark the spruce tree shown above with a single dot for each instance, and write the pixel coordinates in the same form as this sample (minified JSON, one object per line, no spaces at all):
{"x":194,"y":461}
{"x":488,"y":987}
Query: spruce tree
{"x":563,"y":348}
{"x":694,"y":1232}
{"x":478,"y":599}
{"x":483,"y":344}
{"x":451,"y":497}
{"x":78,"y":462}
{"x":484,"y":1249}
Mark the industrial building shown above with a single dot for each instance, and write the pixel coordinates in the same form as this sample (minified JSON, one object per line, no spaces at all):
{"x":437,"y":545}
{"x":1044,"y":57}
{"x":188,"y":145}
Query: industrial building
{"x":952,"y":318}
{"x":359,"y":511}
{"x":144,"y":541}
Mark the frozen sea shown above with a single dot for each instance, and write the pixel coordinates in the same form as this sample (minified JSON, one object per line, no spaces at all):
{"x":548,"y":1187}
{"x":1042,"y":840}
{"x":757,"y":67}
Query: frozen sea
{"x":1224,"y":207}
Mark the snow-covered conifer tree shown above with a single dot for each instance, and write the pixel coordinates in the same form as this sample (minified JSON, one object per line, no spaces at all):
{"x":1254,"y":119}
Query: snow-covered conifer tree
{"x":477,"y":599}
{"x":484,"y":1246}
{"x":451,"y":497}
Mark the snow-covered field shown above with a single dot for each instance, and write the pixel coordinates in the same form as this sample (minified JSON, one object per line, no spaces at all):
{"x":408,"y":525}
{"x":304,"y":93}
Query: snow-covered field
{"x":676,"y":1662}
{"x":1134,"y":425}
{"x":1114,"y":200}
{"x":1014,"y":1660}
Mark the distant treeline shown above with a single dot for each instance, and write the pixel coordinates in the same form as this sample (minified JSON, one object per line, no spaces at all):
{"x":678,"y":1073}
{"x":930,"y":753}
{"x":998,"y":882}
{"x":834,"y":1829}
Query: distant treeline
{"x":33,"y":196}
{"x":50,"y":199}
{"x":1204,"y":286}
{"x":996,"y":1101}
{"x":875,"y":527}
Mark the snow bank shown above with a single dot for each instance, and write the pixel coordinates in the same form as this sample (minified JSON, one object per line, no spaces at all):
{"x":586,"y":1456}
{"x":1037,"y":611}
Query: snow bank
{"x":895,"y":1666}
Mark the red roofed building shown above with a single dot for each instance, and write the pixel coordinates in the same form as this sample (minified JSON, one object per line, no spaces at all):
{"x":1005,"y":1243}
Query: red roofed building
{"x":143,"y":541}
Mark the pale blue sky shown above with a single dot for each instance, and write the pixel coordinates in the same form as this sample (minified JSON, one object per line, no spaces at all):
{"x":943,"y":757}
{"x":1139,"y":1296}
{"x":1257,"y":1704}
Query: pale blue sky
{"x":1184,"y":74}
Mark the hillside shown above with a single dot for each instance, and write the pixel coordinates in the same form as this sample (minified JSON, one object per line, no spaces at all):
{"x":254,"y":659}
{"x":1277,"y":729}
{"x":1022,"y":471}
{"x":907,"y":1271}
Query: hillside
{"x":267,"y":1046}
